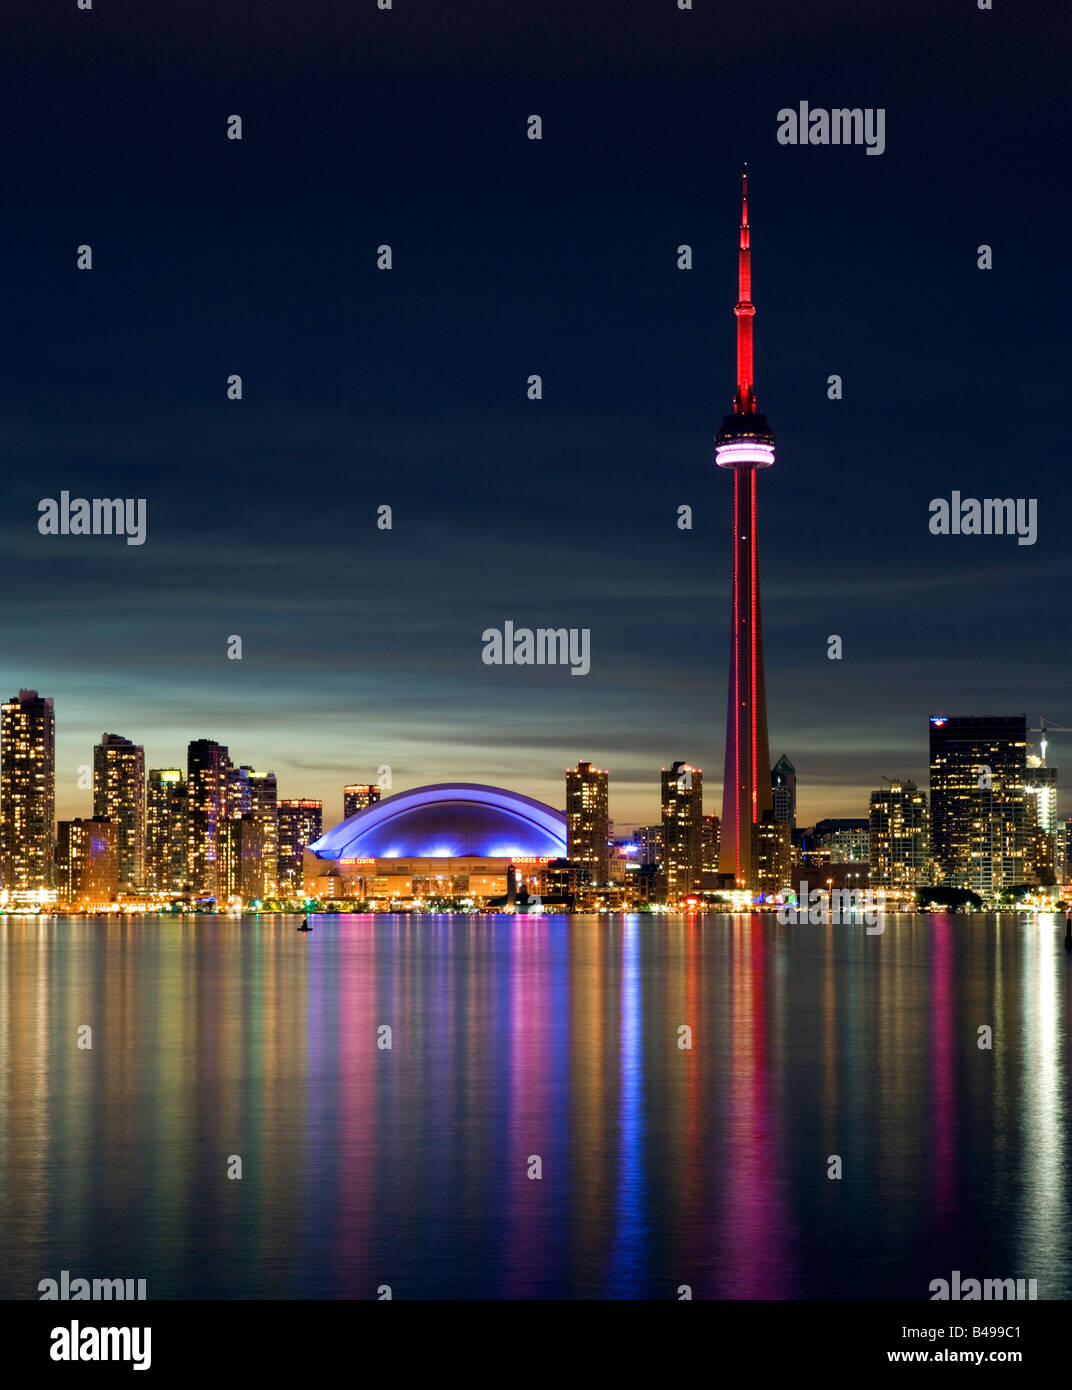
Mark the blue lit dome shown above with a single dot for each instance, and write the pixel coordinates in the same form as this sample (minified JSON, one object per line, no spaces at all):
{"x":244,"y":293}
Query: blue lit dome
{"x":449,"y":820}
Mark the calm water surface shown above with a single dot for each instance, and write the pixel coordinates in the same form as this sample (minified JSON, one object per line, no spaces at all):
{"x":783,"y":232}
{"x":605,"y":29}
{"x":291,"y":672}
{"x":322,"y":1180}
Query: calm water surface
{"x":522,"y":1037}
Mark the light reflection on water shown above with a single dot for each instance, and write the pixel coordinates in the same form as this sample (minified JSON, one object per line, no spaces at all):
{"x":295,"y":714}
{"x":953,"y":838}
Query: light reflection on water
{"x":525,"y":1039}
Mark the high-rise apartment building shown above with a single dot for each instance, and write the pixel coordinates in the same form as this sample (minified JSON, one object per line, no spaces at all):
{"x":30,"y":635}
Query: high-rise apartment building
{"x":119,"y":796}
{"x":300,"y":823}
{"x":241,"y":857}
{"x":772,"y":853}
{"x":682,"y":807}
{"x":166,"y":831}
{"x":263,"y":806}
{"x":898,"y":836}
{"x":27,"y":794}
{"x":209,"y":798}
{"x":982,"y":816}
{"x":709,"y":835}
{"x":587,"y":822}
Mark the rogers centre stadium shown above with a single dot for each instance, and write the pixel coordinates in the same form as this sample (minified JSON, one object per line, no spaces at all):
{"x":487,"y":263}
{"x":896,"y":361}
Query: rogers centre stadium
{"x":452,"y":839}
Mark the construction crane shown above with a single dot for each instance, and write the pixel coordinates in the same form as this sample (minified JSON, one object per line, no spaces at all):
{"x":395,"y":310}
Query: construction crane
{"x":1045,"y":727}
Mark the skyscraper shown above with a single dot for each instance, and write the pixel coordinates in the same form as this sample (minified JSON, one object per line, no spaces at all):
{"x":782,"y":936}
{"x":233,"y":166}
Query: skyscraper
{"x":983,"y":817}
{"x":682,"y":807}
{"x":784,"y":792}
{"x":710,"y":831}
{"x":300,"y":823}
{"x":1042,"y":783}
{"x":358,"y":796}
{"x":744,"y":444}
{"x":27,"y":793}
{"x":240,"y":859}
{"x":208,"y":790}
{"x":119,"y":796}
{"x":587,"y":822}
{"x":264,"y":810}
{"x":166,"y":831}
{"x":898,"y":836}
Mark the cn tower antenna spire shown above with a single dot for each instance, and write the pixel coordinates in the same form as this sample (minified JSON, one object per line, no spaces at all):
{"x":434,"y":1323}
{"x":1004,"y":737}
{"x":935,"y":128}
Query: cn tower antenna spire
{"x":744,"y":402}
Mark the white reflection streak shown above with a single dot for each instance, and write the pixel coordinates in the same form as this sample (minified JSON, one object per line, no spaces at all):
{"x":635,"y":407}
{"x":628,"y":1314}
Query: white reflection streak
{"x":1044,"y":1216}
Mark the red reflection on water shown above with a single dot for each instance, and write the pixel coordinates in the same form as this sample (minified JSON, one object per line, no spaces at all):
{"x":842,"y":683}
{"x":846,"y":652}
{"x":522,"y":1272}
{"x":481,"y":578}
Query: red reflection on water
{"x":754,"y":1262}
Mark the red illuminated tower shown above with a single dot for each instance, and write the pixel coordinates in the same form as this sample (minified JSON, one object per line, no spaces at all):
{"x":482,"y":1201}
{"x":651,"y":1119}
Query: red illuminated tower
{"x":744,"y":444}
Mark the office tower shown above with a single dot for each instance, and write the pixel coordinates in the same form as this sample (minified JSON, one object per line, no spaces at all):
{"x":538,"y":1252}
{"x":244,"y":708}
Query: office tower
{"x":587,"y":825}
{"x":682,"y":808}
{"x":898,"y":836}
{"x":241,"y":856}
{"x":300,"y":823}
{"x":166,"y":831}
{"x":208,"y":791}
{"x":27,"y":793}
{"x":87,"y":862}
{"x":784,"y":792}
{"x":119,"y":796}
{"x":744,"y":444}
{"x":358,"y":796}
{"x":982,"y":816}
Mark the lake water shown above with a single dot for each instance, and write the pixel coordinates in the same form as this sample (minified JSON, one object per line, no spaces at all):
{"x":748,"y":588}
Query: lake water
{"x":517,"y":1039}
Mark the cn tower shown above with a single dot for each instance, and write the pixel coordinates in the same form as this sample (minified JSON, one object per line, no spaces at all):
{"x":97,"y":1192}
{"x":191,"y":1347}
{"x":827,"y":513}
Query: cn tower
{"x":744,"y":445}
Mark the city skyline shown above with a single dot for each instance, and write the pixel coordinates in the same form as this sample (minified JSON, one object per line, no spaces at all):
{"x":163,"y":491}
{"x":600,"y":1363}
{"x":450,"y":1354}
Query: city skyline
{"x":407,"y":388}
{"x":641,"y":787}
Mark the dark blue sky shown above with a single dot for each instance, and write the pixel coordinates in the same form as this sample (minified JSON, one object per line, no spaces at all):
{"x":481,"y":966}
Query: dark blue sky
{"x":407,"y":387}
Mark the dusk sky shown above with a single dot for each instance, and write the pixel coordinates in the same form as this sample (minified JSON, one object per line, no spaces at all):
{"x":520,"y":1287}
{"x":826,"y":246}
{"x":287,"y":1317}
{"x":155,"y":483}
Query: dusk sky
{"x":408,"y":387}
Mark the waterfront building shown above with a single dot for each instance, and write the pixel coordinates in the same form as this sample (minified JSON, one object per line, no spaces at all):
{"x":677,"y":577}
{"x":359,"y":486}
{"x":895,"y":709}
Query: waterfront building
{"x":27,"y":795}
{"x":209,"y":799}
{"x":587,"y":824}
{"x":451,"y":839}
{"x":300,"y":823}
{"x":119,"y":796}
{"x":166,"y":831}
{"x":681,"y":800}
{"x":898,"y":836}
{"x":87,"y":863}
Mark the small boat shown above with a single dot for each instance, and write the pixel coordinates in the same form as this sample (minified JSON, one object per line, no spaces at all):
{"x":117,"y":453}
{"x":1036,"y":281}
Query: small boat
{"x":305,"y":925}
